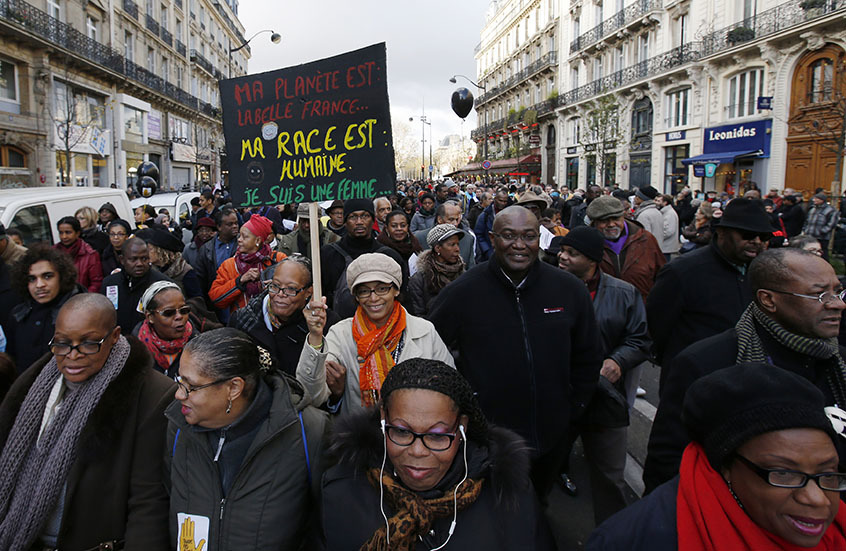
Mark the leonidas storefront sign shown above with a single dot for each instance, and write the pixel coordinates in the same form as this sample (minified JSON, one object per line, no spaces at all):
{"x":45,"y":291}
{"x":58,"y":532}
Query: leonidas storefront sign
{"x":745,"y":136}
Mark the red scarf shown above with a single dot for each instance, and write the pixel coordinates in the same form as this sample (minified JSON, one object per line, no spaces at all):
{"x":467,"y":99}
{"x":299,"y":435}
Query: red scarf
{"x":375,"y":346}
{"x":709,"y":519}
{"x":164,"y":352}
{"x":245,"y":261}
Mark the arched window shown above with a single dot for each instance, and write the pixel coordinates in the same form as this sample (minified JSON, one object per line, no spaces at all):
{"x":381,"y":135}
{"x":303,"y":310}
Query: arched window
{"x":820,"y":80}
{"x":12,"y":157}
{"x":550,"y":135}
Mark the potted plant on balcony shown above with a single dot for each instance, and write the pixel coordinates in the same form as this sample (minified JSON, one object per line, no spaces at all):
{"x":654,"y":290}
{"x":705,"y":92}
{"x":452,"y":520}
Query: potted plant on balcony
{"x":740,"y":34}
{"x":813,"y":8}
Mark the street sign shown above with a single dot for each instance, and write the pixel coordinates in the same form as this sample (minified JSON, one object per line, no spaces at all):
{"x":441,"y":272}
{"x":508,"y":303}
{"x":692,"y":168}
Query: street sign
{"x":765,"y":102}
{"x":431,"y":168}
{"x":534,"y":139}
{"x":699,"y":171}
{"x":486,"y":164}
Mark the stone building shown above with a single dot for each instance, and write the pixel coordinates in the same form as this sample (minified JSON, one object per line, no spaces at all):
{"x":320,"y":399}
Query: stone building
{"x":89,"y":90}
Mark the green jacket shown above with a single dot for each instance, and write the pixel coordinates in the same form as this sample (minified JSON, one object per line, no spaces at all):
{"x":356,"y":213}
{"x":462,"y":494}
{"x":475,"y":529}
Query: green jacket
{"x":289,"y":244}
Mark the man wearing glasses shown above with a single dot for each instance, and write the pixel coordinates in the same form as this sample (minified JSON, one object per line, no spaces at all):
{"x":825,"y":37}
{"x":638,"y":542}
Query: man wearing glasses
{"x":539,"y":375}
{"x":704,"y":292}
{"x":792,"y":323}
{"x":274,"y":319}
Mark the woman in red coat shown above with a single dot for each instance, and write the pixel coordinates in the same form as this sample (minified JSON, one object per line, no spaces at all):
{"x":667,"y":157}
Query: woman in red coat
{"x":89,"y":271}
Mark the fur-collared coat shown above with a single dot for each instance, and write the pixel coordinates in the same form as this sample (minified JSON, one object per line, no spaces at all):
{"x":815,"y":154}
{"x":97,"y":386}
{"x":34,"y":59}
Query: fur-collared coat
{"x":505,"y":516}
{"x":115,"y":487}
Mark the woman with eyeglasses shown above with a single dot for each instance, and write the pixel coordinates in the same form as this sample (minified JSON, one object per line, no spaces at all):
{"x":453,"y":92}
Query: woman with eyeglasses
{"x":47,"y":278}
{"x":118,"y":232}
{"x":275,"y":320}
{"x":244,"y":450}
{"x":345,"y":370}
{"x":761,"y":472}
{"x":166,"y":328}
{"x":424,"y":470}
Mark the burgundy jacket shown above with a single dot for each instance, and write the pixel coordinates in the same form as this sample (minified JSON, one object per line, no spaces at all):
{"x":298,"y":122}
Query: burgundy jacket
{"x":89,"y":271}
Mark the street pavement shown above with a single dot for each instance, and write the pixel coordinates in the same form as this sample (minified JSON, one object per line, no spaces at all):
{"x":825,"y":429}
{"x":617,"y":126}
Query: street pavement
{"x":571,"y":518}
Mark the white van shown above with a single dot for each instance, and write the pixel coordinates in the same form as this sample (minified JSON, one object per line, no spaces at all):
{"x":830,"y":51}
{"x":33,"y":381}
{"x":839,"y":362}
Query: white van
{"x":35,"y":211}
{"x":178,"y":204}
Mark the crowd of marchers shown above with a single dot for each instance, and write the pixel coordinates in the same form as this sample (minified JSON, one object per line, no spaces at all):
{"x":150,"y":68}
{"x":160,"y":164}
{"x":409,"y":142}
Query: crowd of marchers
{"x":184,"y":383}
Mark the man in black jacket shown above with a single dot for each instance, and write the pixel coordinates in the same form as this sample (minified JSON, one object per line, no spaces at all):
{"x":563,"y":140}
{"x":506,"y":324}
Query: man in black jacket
{"x":537,"y":377}
{"x":125,"y":288}
{"x":791,"y":324}
{"x":704,"y":292}
{"x":214,"y":251}
{"x":792,"y":215}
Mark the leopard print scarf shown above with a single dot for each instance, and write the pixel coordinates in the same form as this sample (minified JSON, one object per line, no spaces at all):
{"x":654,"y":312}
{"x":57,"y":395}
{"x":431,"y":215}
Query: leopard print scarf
{"x":414,"y":516}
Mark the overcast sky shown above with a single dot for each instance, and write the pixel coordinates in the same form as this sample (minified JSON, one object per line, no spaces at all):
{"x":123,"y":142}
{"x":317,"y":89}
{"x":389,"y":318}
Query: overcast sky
{"x":427,"y":43}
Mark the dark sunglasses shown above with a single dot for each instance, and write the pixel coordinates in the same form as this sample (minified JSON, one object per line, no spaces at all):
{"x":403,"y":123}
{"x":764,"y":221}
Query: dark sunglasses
{"x":750,"y":235}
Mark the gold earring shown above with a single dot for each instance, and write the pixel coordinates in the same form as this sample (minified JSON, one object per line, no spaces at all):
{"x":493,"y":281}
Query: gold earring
{"x":229,"y":407}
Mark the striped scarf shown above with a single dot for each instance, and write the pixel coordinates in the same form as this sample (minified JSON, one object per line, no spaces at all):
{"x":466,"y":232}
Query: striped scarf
{"x":750,"y":348}
{"x":375,"y":346}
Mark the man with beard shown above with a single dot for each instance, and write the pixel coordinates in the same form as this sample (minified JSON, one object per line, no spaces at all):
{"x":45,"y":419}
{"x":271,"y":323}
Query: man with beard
{"x":531,"y":383}
{"x":631,"y":253}
{"x":125,"y":288}
{"x":335,"y":257}
{"x":335,"y":224}
{"x":705,"y":291}
{"x":792,"y":323}
{"x":381,"y":207}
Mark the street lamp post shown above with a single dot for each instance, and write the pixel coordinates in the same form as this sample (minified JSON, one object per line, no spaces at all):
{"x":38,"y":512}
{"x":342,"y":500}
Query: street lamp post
{"x":485,"y":129}
{"x":275,"y":37}
{"x":424,"y":122}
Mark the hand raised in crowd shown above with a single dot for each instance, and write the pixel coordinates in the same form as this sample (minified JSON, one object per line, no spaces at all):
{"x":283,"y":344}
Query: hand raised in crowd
{"x":252,"y":274}
{"x":611,"y":370}
{"x":315,"y":316}
{"x":336,"y":379}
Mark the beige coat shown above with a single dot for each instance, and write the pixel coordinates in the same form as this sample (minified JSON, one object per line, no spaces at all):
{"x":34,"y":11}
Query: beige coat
{"x":420,"y":341}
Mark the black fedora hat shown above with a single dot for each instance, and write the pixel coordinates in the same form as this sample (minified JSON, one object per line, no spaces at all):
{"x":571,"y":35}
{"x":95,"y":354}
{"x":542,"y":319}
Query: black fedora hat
{"x":746,"y":214}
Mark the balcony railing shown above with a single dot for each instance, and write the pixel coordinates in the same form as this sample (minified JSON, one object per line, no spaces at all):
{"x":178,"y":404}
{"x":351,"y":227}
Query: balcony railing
{"x":548,"y":60}
{"x":131,"y":8}
{"x":180,"y":47}
{"x":152,"y":24}
{"x":202,"y":62}
{"x":620,"y":19}
{"x":24,"y":15}
{"x":766,"y":23}
{"x":167,"y":37}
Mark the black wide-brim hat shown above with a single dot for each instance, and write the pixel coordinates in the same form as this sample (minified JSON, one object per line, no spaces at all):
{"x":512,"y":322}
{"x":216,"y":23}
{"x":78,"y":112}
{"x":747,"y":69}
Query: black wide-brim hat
{"x":746,"y":214}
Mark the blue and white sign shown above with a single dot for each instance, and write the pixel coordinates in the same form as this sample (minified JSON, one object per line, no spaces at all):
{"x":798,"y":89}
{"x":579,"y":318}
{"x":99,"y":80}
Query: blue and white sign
{"x":765,"y":102}
{"x":743,"y":136}
{"x":677,"y":135}
{"x":699,"y":171}
{"x":486,"y":164}
{"x":98,"y":141}
{"x":710,"y":170}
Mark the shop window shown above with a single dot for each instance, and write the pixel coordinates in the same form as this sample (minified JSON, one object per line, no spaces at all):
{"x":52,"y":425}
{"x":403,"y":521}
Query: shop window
{"x":678,"y":108}
{"x":591,"y":169}
{"x":610,"y":172}
{"x":743,"y":92}
{"x":34,"y":225}
{"x":573,"y":173}
{"x":675,"y":173}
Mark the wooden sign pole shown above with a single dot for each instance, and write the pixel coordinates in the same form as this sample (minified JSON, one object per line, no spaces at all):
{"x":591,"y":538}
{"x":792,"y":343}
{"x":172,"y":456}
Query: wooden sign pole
{"x":314,"y":236}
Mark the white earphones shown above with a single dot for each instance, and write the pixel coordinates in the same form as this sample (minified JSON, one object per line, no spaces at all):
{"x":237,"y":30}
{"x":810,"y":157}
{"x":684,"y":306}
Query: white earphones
{"x":382,"y":486}
{"x":455,"y":493}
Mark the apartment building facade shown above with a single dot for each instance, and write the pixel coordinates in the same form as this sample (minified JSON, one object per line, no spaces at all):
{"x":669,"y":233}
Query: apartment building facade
{"x":715,"y":94}
{"x":89,"y":90}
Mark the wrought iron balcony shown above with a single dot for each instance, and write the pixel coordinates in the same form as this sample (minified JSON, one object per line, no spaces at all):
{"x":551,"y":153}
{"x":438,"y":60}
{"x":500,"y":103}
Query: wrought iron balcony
{"x":131,"y":8}
{"x":202,"y":62}
{"x":152,"y":24}
{"x":167,"y":37}
{"x":180,"y":48}
{"x":624,"y":17}
{"x":766,"y":23}
{"x":548,"y":60}
{"x":21,"y":14}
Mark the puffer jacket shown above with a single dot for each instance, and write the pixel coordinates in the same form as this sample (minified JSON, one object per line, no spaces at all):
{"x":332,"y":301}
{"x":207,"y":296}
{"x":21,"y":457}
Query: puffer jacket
{"x":270,"y":503}
{"x":650,"y":217}
{"x":505,"y":516}
{"x":638,"y":262}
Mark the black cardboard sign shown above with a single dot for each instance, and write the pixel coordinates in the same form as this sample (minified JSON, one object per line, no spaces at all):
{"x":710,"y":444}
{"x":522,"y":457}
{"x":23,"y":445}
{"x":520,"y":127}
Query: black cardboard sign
{"x":315,"y":132}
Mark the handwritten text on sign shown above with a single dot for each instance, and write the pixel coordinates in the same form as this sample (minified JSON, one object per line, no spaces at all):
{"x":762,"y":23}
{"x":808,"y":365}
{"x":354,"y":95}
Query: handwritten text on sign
{"x":315,"y":132}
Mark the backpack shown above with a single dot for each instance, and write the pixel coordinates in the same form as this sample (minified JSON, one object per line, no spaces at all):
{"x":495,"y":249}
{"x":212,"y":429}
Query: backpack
{"x":343,"y":302}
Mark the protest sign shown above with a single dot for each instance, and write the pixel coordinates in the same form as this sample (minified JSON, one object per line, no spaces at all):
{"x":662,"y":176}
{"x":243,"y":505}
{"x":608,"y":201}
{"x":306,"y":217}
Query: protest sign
{"x":314,"y":132}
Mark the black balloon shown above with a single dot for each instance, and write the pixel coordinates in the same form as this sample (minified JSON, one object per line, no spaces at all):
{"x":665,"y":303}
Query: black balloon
{"x":148,"y":169}
{"x":462,"y":102}
{"x":147,"y":185}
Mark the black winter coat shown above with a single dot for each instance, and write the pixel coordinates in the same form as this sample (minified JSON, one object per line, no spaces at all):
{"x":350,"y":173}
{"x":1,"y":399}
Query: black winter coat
{"x":793,"y":217}
{"x":115,"y":486}
{"x":669,"y":437}
{"x":622,"y":322}
{"x":206,"y":266}
{"x":697,"y":295}
{"x":129,"y":293}
{"x":505,"y":516}
{"x":532,"y":352}
{"x":286,"y":343}
{"x":646,"y":525}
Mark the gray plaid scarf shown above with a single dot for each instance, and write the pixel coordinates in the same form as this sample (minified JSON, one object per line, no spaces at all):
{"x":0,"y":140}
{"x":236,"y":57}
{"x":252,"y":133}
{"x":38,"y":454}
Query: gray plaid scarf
{"x":750,"y":348}
{"x":35,"y":470}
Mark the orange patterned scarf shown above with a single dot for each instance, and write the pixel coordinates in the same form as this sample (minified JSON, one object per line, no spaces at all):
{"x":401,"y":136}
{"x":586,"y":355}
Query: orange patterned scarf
{"x":375,"y":346}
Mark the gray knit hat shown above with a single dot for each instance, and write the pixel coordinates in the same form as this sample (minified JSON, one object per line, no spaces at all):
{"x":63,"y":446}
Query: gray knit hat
{"x":604,"y":206}
{"x":441,"y":233}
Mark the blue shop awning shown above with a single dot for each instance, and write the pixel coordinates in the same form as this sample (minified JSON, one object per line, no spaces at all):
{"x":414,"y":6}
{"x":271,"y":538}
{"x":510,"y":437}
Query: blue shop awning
{"x":720,"y":158}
